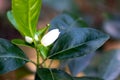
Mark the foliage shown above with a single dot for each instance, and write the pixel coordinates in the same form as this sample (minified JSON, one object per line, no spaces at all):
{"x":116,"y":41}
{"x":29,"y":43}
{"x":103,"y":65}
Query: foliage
{"x":11,"y":57}
{"x":54,"y":74}
{"x":73,"y":41}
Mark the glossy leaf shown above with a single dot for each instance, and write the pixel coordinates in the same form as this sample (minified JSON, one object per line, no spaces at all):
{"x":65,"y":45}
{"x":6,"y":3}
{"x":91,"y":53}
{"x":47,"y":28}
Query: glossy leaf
{"x":78,"y":20}
{"x":76,"y":42}
{"x":26,"y":13}
{"x":51,"y":74}
{"x":109,"y":68}
{"x":55,"y":74}
{"x":11,"y":57}
{"x":20,"y":42}
{"x":11,"y":19}
{"x":87,"y":78}
{"x":64,"y":22}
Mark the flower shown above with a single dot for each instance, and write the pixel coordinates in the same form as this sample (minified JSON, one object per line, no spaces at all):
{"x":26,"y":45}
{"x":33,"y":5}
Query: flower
{"x":36,"y":37}
{"x":28,"y":39}
{"x":50,"y":37}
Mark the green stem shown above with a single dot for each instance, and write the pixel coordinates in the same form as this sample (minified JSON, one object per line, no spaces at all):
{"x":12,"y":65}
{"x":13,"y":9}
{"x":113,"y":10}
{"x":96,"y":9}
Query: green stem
{"x":51,"y":61}
{"x":37,"y":54}
{"x":52,"y":74}
{"x":44,"y":61}
{"x":38,"y":58}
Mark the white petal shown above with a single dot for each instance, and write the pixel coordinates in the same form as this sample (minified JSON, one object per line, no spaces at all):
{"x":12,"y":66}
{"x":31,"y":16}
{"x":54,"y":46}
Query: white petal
{"x":28,"y":39}
{"x":36,"y":37}
{"x":50,"y":37}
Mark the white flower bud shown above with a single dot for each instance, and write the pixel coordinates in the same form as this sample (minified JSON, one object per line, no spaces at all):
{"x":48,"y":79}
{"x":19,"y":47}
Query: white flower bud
{"x":36,"y":37}
{"x":28,"y":39}
{"x":50,"y":37}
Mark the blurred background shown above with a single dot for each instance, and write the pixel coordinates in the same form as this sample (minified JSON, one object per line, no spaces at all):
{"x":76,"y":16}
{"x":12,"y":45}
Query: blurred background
{"x":103,"y":15}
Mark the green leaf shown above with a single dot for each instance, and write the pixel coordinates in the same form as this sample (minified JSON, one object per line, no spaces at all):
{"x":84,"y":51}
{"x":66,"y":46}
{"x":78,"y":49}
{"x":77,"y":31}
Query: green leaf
{"x":26,"y":14}
{"x":20,"y":42}
{"x":65,"y":21}
{"x":11,"y":19}
{"x":87,"y":78}
{"x":11,"y":57}
{"x":109,"y":67}
{"x":43,"y":50}
{"x":55,"y":74}
{"x":41,"y":32}
{"x":51,"y":74}
{"x":78,"y":20}
{"x":74,"y":41}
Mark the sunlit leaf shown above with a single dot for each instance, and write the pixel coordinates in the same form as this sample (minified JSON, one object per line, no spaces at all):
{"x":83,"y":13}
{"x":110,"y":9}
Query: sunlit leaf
{"x":26,"y":14}
{"x":43,"y":50}
{"x":20,"y":42}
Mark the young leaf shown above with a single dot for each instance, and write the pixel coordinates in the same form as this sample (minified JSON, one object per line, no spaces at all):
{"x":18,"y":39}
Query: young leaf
{"x":11,"y":57}
{"x":42,"y":31}
{"x":26,"y":13}
{"x":20,"y":42}
{"x":43,"y":50}
{"x":51,"y":74}
{"x":11,"y":19}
